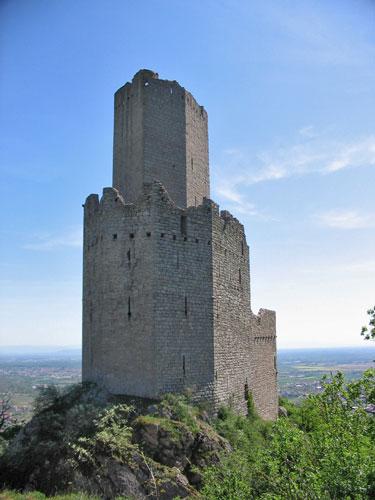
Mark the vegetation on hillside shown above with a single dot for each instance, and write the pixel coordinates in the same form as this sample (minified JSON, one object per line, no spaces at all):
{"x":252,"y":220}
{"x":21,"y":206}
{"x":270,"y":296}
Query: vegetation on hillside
{"x":321,"y":450}
{"x":81,"y":442}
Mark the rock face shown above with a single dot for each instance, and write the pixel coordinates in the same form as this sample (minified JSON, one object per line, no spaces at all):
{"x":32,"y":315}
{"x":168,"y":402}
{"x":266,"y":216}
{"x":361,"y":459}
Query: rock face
{"x":81,"y":442}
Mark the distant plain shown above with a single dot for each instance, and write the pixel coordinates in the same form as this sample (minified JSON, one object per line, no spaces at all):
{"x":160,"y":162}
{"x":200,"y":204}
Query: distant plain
{"x":25,"y":369}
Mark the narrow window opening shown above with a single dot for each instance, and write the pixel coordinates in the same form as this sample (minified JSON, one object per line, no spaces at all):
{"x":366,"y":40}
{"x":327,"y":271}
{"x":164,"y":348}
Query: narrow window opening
{"x":186,"y":305}
{"x":174,"y":236}
{"x":148,"y":235}
{"x":173,"y":165}
{"x":171,"y":90}
{"x":183,"y":365}
{"x":131,"y":235}
{"x":178,"y":259}
{"x":185,"y":238}
{"x":183,"y":224}
{"x":216,"y":375}
{"x":225,"y":252}
{"x":274,"y":362}
{"x":90,"y":317}
{"x":242,"y":248}
{"x":195,"y":201}
{"x":115,"y":236}
{"x":209,"y":242}
{"x":246,"y":391}
{"x":129,"y":311}
{"x":146,"y":84}
{"x":196,"y":240}
{"x":239,"y":276}
{"x":116,"y":199}
{"x":128,"y":254}
{"x":162,"y":235}
{"x":192,"y":163}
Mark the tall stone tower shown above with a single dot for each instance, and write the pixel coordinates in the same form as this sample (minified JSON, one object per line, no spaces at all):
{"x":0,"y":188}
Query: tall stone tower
{"x":160,"y":133}
{"x":166,"y":280}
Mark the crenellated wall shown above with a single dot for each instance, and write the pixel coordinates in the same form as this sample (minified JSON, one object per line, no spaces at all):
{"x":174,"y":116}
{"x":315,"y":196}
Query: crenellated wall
{"x":167,"y":302}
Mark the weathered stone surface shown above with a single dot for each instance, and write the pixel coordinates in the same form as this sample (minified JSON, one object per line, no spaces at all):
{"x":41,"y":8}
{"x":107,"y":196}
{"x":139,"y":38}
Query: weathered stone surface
{"x":166,"y":301}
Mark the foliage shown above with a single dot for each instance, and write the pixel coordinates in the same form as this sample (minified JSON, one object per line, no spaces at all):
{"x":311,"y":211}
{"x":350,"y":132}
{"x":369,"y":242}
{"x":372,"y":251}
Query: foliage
{"x":44,"y":448}
{"x":369,"y":332}
{"x":324,"y":450}
{"x":242,"y":432}
{"x":112,"y":437}
{"x":181,"y":409}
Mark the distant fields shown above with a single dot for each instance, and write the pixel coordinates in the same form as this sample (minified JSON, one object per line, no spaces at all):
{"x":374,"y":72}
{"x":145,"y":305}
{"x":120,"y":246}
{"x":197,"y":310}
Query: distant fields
{"x":299,"y":371}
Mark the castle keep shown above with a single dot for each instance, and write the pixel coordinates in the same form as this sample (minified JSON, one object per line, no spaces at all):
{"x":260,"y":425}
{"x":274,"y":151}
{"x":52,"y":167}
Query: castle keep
{"x":166,"y":279}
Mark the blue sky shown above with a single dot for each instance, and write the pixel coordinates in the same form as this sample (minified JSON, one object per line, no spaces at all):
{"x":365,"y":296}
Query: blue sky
{"x":289,"y":89}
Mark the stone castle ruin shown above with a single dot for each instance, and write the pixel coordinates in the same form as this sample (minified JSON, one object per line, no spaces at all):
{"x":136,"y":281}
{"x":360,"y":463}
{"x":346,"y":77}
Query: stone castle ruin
{"x":166,"y":279}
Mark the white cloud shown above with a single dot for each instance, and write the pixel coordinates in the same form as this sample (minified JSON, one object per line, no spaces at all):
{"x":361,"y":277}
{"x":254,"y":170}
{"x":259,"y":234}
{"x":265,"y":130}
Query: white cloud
{"x":309,"y":155}
{"x":50,"y":242}
{"x":346,"y":220}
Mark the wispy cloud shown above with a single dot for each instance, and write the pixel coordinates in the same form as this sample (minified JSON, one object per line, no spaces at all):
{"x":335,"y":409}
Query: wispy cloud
{"x":313,"y":155}
{"x":346,"y":220}
{"x":309,"y":153}
{"x":50,"y":242}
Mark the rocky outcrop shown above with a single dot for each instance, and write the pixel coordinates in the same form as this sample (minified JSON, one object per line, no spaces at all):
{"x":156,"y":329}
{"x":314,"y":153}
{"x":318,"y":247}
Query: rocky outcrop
{"x":85,"y":441}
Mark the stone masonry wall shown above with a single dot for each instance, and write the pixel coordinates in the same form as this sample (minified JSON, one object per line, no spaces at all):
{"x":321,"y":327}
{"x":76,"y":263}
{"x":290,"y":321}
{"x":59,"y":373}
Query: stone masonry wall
{"x":152,"y":260}
{"x":118,"y":340}
{"x":245,"y":344}
{"x":263,"y":380}
{"x":231,"y":290}
{"x":197,"y":170}
{"x":160,"y":134}
{"x":167,"y":303}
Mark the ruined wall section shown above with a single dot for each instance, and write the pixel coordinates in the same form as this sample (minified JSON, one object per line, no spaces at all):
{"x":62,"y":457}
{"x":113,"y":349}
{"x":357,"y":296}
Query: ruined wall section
{"x":231,"y":288}
{"x":197,"y":169}
{"x":119,"y":346}
{"x":264,"y":364}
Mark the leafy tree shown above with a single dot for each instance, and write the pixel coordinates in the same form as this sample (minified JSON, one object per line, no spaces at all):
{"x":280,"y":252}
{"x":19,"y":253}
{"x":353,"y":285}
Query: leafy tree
{"x":369,"y":332}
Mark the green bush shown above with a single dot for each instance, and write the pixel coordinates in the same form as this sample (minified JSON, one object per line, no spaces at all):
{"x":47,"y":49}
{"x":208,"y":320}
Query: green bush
{"x":322,"y":451}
